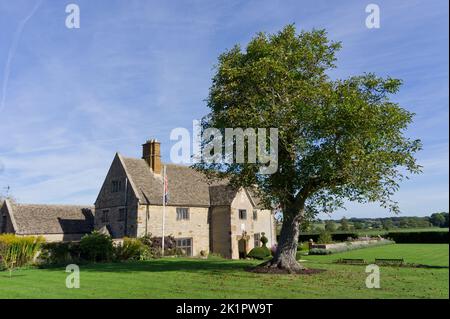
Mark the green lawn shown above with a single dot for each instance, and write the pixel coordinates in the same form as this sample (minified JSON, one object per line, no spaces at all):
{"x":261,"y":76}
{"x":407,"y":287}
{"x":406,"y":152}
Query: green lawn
{"x":219,"y":278}
{"x":425,"y":254}
{"x":374,"y":232}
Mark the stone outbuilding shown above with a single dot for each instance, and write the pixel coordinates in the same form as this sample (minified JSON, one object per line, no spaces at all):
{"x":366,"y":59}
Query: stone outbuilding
{"x":53,"y":222}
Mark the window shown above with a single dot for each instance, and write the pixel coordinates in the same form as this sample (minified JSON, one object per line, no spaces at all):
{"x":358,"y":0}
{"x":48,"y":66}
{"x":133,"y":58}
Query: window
{"x":185,"y":244}
{"x":255,"y":214}
{"x":105,"y":217}
{"x":122,"y":212}
{"x":242,"y":214}
{"x":116,"y":186}
{"x":182,"y":213}
{"x":257,"y":240}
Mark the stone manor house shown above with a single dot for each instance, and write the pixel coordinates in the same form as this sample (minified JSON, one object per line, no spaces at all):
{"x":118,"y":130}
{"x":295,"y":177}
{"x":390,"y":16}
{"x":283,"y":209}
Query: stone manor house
{"x":201,"y":216}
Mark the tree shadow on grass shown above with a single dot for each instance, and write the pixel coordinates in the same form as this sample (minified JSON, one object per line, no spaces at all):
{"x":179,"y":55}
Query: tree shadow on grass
{"x":163,"y":265}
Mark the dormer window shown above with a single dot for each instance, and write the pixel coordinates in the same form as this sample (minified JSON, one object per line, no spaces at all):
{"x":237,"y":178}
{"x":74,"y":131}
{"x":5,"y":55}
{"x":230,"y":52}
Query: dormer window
{"x":242,"y":214}
{"x":255,"y":214}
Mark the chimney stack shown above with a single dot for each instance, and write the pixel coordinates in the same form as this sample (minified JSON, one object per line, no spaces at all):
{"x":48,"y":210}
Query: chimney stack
{"x":151,"y":153}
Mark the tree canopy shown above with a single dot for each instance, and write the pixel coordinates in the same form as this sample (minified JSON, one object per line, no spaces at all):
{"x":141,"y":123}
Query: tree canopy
{"x":338,"y":139}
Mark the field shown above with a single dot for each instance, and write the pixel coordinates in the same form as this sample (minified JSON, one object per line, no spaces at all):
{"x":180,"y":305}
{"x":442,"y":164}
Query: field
{"x":220,"y":278}
{"x":374,"y":232}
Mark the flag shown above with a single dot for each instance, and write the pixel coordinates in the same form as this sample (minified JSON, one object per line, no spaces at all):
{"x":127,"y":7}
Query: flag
{"x":166,"y":187}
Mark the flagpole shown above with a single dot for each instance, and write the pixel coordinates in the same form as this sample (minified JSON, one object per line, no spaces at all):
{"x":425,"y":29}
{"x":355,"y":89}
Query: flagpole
{"x":164,"y":209}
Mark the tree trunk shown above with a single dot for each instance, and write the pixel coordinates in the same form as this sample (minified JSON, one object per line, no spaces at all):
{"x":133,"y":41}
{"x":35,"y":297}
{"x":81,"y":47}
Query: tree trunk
{"x":285,"y":256}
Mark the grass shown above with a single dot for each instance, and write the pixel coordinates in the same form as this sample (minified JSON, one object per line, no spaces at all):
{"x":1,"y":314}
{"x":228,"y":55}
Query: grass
{"x":425,"y":254}
{"x":220,"y":278}
{"x":374,"y":232}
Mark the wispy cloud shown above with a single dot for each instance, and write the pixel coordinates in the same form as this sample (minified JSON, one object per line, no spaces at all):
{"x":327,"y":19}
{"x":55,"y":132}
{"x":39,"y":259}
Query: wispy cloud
{"x":72,"y":98}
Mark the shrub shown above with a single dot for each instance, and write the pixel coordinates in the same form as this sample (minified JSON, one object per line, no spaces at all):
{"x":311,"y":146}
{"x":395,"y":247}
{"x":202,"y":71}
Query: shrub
{"x":259,"y":253}
{"x":324,"y":237}
{"x":132,"y":249}
{"x":303,"y":246}
{"x":96,"y":247}
{"x":170,"y":246}
{"x":18,"y":251}
{"x":264,"y":240}
{"x":60,"y":253}
{"x":319,"y":251}
{"x":336,"y":236}
{"x":424,"y":237}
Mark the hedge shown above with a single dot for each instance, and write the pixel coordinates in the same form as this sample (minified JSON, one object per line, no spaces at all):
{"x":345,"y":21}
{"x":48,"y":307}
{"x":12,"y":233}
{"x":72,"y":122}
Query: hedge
{"x":259,"y":253}
{"x":424,"y":237}
{"x":304,"y":237}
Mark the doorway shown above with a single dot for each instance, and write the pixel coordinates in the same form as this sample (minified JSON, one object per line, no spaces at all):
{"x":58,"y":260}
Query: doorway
{"x":242,"y":247}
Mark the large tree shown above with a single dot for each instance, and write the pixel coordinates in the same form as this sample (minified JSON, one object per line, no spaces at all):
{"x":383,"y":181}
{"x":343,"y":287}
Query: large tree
{"x":338,"y":139}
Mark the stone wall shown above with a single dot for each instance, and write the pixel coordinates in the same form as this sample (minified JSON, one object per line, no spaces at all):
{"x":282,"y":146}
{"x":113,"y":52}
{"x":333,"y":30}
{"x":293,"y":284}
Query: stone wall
{"x":114,"y":201}
{"x":4,"y":212}
{"x":264,"y":223}
{"x":220,"y":231}
{"x":149,"y":221}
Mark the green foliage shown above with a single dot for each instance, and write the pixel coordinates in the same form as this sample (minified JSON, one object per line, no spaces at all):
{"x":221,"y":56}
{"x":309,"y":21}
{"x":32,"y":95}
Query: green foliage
{"x":439,"y":219}
{"x":259,"y":253}
{"x":18,"y":251}
{"x":345,"y":226}
{"x":336,"y":236}
{"x":339,"y":140}
{"x":319,"y":251}
{"x":264,"y":240}
{"x":426,"y":237}
{"x":96,"y":247}
{"x":330,"y":226}
{"x":325,"y":237}
{"x":60,"y":253}
{"x":133,"y":249}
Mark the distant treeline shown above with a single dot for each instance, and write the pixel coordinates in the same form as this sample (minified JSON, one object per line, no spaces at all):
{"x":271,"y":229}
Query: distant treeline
{"x":387,"y":223}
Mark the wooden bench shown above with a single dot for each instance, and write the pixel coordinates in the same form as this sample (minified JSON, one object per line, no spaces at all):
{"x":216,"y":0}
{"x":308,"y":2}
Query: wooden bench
{"x":389,"y":261}
{"x":354,"y":261}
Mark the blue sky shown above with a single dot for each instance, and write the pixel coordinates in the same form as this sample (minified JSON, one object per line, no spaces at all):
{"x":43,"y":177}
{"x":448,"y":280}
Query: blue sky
{"x":71,"y":98}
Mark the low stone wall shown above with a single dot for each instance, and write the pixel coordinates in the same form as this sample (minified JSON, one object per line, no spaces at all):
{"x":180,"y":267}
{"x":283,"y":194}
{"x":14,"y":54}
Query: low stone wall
{"x":354,"y":244}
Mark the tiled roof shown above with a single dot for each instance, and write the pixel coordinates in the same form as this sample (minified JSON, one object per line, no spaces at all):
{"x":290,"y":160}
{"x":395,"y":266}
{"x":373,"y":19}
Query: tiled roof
{"x":51,"y":219}
{"x":186,"y":185}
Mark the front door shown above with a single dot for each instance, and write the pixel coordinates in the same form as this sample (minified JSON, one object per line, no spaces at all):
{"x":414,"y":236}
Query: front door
{"x":242,"y":244}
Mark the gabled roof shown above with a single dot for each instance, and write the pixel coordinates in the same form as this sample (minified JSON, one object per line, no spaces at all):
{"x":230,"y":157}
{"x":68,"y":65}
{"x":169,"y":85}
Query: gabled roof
{"x":31,"y":219}
{"x":186,"y":185}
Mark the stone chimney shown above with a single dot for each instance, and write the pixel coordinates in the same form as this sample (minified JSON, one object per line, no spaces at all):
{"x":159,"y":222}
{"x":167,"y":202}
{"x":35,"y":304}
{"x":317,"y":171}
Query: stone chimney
{"x":151,"y":153}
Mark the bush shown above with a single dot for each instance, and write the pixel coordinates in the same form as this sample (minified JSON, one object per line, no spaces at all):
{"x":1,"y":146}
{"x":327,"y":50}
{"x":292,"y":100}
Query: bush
{"x":303,"y":246}
{"x":132,"y":249}
{"x":18,"y":251}
{"x":324,"y":237}
{"x":259,"y":253}
{"x":319,"y":251}
{"x":336,"y":236}
{"x":60,"y":253}
{"x":170,"y":246}
{"x":264,"y":240}
{"x":423,"y":237}
{"x":96,"y":247}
